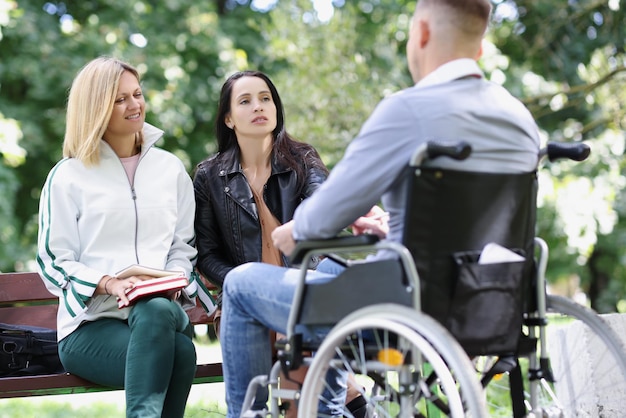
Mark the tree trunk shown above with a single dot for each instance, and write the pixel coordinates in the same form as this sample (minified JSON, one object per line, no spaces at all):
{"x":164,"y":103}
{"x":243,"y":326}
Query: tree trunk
{"x":599,"y":279}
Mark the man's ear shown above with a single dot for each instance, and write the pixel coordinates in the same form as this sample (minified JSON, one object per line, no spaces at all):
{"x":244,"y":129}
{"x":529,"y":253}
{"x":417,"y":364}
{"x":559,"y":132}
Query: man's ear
{"x":480,"y":52}
{"x":424,"y":30}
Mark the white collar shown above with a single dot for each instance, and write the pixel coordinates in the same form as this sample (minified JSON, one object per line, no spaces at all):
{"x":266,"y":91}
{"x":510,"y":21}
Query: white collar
{"x":453,"y":70}
{"x":151,"y":134}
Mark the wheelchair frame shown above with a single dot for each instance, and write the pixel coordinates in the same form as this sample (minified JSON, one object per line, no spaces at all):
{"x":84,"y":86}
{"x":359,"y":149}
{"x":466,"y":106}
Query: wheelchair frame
{"x":434,"y":342}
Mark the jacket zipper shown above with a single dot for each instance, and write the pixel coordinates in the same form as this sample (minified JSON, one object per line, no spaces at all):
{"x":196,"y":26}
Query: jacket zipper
{"x":134,"y":196}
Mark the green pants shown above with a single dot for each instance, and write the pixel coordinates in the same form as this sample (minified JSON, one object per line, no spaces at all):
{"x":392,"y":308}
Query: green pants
{"x":151,"y":356}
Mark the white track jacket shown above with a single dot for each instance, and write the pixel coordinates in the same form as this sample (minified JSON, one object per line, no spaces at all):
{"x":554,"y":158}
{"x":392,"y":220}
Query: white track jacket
{"x":93,"y":222}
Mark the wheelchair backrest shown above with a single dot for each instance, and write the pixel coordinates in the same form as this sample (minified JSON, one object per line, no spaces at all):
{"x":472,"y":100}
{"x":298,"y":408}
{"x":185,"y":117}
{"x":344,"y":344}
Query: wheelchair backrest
{"x":451,"y":216}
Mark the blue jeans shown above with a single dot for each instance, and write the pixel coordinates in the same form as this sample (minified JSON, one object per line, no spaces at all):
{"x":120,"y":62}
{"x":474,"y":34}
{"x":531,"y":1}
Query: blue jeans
{"x":151,"y":355}
{"x":256,"y":298}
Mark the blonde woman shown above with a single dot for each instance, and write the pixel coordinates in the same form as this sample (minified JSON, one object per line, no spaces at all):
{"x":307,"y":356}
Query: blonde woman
{"x":112,"y":201}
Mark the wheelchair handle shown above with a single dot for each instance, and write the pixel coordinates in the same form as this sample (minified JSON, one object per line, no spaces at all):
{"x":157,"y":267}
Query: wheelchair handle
{"x":432,"y":149}
{"x":562,"y":150}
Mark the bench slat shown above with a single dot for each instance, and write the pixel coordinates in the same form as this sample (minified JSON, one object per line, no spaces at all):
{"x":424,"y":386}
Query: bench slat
{"x":38,"y":316}
{"x":65,"y":383}
{"x":23,"y":287}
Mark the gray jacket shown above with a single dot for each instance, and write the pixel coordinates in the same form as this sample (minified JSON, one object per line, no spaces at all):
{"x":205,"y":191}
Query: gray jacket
{"x":455,"y":102}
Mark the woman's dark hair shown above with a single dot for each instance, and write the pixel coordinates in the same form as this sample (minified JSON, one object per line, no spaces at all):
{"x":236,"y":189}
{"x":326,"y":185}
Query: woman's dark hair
{"x":286,"y":149}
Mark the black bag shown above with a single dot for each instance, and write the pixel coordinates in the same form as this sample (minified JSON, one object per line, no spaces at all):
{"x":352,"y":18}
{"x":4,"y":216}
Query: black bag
{"x":486,"y":304}
{"x":27,"y":350}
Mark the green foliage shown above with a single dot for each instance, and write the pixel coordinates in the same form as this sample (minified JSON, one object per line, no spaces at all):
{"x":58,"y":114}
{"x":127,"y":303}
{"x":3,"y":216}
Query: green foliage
{"x":12,"y":155}
{"x":565,"y":60}
{"x":8,"y":233}
{"x":183,"y":64}
{"x":330,"y":87}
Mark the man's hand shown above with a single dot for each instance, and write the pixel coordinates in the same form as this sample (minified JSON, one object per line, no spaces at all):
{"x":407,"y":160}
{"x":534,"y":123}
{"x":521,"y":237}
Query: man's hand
{"x":283,"y":238}
{"x":374,"y":222}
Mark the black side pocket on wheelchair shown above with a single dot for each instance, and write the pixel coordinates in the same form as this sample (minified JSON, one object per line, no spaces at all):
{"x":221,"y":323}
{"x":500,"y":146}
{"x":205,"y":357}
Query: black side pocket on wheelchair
{"x":486,"y":307}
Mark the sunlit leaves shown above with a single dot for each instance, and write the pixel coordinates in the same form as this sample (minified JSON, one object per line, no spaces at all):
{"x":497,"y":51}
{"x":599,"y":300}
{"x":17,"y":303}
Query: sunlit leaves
{"x":332,"y":65}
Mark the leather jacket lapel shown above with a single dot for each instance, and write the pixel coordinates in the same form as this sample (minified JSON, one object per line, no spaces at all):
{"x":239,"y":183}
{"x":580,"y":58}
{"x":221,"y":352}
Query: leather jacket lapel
{"x":236,"y":187}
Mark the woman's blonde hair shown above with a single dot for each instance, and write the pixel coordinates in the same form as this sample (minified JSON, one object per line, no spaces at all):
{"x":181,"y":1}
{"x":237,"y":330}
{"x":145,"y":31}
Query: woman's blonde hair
{"x":89,"y":107}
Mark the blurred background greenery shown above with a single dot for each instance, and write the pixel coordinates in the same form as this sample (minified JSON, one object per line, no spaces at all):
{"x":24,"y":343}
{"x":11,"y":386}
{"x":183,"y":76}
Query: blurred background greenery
{"x":25,"y":408}
{"x":332,"y":61}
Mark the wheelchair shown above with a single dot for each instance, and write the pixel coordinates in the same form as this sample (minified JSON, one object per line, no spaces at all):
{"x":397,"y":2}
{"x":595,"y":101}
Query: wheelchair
{"x":439,"y":329}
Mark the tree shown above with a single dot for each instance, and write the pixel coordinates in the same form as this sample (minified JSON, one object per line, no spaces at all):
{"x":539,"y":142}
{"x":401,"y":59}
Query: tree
{"x":569,"y":57}
{"x":563,"y":59}
{"x":182,"y":61}
{"x":12,"y":156}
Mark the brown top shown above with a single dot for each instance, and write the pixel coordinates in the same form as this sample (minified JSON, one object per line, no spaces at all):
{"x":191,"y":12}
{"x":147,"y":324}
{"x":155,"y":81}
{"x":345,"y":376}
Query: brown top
{"x":269,"y":253}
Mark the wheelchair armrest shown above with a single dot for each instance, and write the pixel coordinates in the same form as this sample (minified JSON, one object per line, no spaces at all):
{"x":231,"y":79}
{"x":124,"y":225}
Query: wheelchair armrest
{"x":303,"y":247}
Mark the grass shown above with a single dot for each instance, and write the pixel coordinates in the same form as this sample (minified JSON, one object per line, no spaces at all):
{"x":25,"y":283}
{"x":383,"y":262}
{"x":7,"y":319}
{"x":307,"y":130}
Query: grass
{"x":25,"y":408}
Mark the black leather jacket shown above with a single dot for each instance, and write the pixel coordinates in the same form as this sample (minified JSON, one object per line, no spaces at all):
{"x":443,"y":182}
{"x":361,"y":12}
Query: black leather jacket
{"x":228,"y":232}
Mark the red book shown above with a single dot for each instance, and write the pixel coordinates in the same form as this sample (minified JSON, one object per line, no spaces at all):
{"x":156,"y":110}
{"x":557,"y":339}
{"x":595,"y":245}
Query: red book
{"x":165,"y":282}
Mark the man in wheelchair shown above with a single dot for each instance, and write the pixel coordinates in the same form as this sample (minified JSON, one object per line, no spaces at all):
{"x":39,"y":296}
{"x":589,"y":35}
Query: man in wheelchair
{"x":450,"y":101}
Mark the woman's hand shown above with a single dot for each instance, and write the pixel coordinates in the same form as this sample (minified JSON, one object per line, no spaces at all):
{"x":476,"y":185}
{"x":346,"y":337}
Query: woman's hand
{"x":373,"y":222}
{"x":113,"y":286}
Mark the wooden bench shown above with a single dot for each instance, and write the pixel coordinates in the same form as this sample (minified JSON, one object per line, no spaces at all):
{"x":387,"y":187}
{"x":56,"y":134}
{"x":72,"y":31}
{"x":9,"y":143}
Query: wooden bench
{"x":25,"y":300}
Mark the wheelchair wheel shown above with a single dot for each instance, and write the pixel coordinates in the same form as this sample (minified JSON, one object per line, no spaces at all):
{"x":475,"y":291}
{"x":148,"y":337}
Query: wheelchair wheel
{"x":583,"y":372}
{"x":407,"y":364}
